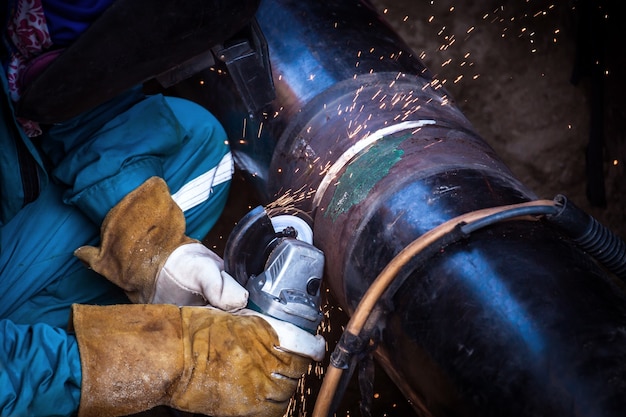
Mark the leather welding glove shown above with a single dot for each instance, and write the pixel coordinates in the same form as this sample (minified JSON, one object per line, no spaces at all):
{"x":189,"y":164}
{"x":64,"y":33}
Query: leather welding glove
{"x":144,"y":250}
{"x":194,"y":359}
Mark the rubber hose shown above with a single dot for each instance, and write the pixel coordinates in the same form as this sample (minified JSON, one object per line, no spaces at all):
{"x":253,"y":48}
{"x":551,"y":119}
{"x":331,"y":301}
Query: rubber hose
{"x":591,"y":236}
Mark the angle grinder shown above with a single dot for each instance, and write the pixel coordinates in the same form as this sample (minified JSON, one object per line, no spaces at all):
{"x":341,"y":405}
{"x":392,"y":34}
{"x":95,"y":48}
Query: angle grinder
{"x":275,"y":260}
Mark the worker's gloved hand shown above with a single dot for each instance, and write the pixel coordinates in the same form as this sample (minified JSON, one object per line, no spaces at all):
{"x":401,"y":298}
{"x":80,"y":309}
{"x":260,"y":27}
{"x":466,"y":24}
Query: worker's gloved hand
{"x":195,"y":359}
{"x":145,"y":251}
{"x":192,"y":274}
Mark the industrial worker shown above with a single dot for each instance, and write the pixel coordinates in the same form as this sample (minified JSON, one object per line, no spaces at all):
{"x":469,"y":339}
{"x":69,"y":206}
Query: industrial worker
{"x":109,"y":303}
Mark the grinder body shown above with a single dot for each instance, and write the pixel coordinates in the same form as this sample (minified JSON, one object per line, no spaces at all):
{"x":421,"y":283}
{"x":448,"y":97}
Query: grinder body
{"x":275,"y":260}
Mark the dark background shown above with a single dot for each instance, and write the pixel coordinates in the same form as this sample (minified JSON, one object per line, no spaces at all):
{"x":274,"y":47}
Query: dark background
{"x":537,"y":79}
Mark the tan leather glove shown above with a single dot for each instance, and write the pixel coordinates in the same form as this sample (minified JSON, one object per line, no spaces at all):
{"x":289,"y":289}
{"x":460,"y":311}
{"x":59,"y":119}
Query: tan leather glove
{"x":144,"y":250}
{"x":195,"y":359}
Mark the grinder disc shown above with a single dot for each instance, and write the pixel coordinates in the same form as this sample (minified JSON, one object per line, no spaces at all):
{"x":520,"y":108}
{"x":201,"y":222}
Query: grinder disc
{"x":250,"y":243}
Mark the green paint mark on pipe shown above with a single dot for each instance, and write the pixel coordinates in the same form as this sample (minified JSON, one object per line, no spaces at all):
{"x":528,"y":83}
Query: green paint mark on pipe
{"x":362,"y":174}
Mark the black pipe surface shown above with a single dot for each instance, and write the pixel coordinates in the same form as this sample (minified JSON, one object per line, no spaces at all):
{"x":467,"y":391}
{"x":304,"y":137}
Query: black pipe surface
{"x":516,"y":320}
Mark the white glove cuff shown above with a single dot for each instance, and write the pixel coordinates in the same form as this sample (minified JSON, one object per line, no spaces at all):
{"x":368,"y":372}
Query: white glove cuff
{"x":292,"y":338}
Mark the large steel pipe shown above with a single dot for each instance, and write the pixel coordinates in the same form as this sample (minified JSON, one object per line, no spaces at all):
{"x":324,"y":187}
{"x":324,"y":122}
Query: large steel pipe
{"x":515,"y":320}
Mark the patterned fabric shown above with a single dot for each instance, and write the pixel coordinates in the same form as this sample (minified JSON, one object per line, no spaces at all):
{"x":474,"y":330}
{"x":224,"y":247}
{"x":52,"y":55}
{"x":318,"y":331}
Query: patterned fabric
{"x":28,"y":34}
{"x":36,"y":29}
{"x":28,"y":31}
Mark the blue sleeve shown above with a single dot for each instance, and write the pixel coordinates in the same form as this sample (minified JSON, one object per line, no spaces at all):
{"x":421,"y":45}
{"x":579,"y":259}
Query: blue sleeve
{"x":105,"y":153}
{"x":40,"y":371}
{"x":66,"y":20}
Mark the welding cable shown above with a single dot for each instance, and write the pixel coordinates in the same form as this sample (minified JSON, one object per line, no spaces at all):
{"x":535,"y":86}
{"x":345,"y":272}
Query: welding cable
{"x":593,"y":237}
{"x":467,"y":223}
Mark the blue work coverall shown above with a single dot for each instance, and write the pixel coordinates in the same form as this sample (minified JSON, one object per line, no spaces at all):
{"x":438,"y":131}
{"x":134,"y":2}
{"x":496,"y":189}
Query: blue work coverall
{"x":69,"y":179}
